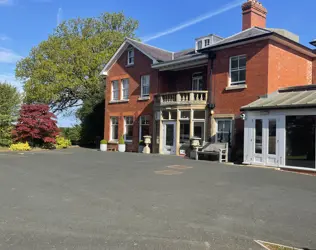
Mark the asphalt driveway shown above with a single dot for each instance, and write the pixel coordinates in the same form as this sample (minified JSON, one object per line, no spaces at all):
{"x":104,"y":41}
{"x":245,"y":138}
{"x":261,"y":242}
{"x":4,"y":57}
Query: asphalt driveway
{"x":84,"y":199}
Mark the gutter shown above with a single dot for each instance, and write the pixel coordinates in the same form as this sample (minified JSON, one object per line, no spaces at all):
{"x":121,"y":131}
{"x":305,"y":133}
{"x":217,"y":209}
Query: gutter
{"x":267,"y":35}
{"x":300,"y":106}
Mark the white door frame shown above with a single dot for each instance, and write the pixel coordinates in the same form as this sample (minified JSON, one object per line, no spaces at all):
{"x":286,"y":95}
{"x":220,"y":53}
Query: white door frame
{"x":168,"y":150}
{"x":265,"y":158}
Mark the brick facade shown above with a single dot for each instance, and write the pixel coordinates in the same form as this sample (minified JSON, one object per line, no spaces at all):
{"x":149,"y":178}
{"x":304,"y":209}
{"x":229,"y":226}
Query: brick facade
{"x":230,"y":101}
{"x":172,"y":81}
{"x":287,"y":67}
{"x":134,"y":107}
{"x":314,"y":71}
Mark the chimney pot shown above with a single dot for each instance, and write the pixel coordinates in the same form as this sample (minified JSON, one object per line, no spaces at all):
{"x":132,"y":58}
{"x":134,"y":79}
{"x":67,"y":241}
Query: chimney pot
{"x":254,"y":14}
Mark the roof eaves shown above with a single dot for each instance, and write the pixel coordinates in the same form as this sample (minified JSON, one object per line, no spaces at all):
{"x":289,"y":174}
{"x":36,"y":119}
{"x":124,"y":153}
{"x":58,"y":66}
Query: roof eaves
{"x":233,"y":42}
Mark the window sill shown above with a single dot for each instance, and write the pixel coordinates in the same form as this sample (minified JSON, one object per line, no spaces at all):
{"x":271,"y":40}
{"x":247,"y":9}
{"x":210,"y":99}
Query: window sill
{"x":235,"y":87}
{"x":145,"y":98}
{"x":129,"y":65}
{"x":119,"y":101}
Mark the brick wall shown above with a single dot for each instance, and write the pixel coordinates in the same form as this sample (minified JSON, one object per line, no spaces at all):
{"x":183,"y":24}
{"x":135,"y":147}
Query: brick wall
{"x":314,"y":71}
{"x":134,"y":107}
{"x":230,"y":101}
{"x":172,"y":81}
{"x":288,"y":67}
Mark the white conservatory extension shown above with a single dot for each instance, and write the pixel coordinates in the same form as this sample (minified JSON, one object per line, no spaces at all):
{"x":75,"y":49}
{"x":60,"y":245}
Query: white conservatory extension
{"x":280,"y":129}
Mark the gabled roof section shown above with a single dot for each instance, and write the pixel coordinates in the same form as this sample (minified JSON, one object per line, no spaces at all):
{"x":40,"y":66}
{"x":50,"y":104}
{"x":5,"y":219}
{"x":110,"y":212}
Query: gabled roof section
{"x":160,"y":55}
{"x":250,"y":33}
{"x":154,"y":53}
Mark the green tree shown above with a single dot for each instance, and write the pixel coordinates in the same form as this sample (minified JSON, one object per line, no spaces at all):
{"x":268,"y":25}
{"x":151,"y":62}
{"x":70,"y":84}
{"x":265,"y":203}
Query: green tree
{"x":9,"y":105}
{"x":63,"y":71}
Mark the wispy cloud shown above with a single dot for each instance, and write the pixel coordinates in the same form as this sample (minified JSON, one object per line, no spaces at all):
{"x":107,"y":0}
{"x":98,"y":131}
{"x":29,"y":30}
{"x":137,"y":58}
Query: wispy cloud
{"x":8,"y":56}
{"x":10,"y":78}
{"x":193,"y":21}
{"x":59,"y":16}
{"x":6,"y":2}
{"x":4,"y":37}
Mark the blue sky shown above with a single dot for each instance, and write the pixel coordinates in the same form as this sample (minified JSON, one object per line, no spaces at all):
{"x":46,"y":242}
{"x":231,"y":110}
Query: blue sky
{"x":25,"y":23}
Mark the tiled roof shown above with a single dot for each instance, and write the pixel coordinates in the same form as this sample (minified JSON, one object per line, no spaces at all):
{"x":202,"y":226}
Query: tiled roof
{"x":184,"y":53}
{"x":246,"y":34}
{"x":159,"y":54}
{"x":292,"y":97}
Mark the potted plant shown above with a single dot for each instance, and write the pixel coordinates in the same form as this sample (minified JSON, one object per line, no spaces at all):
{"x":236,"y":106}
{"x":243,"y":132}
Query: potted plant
{"x":104,"y":145}
{"x":141,"y":146}
{"x":121,"y":145}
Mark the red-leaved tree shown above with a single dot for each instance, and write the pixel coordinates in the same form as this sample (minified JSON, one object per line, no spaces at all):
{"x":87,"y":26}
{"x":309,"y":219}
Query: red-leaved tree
{"x":36,"y":125}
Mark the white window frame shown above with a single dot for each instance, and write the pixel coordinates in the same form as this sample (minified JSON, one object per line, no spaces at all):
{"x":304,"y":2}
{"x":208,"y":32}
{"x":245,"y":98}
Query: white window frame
{"x":111,"y":127}
{"x":142,"y":79}
{"x":201,"y":120}
{"x":126,"y":88}
{"x":115,"y":90}
{"x":130,"y":56}
{"x":197,"y":45}
{"x":125,"y":126}
{"x":198,"y":77}
{"x":231,"y":128}
{"x":209,"y":42}
{"x":140,"y":125}
{"x":235,"y":70}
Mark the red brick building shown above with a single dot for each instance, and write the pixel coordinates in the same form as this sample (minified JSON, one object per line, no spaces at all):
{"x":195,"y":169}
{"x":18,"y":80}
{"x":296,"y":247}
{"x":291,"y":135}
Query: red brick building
{"x":173,"y":96}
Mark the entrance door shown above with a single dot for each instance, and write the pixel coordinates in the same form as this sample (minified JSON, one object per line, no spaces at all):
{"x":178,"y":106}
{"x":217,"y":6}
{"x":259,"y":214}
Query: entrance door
{"x":265,"y":141}
{"x":169,"y":138}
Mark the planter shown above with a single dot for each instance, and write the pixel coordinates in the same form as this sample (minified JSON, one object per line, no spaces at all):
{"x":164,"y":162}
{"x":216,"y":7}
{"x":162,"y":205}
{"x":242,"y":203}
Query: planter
{"x":122,"y":148}
{"x":147,"y":141}
{"x":104,"y":147}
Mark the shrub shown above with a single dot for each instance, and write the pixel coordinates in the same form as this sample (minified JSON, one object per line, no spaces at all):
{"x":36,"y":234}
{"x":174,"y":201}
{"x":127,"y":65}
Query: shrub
{"x":104,"y":142}
{"x":141,"y":143}
{"x":20,"y":146}
{"x":62,"y":142}
{"x":121,"y":140}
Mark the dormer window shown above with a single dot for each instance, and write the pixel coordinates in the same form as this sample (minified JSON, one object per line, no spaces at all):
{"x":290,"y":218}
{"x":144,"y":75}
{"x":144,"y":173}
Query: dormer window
{"x":206,"y":42}
{"x":130,"y":56}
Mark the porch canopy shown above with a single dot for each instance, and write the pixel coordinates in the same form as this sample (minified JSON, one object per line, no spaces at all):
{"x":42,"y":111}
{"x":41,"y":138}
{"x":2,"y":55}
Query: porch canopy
{"x":286,"y":98}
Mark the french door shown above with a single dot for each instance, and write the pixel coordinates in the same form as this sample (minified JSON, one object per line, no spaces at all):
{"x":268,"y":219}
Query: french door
{"x":169,"y":138}
{"x":265,"y":141}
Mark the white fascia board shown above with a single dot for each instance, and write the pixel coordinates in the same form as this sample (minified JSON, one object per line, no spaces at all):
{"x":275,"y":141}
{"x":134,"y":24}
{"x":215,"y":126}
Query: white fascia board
{"x":118,"y":54}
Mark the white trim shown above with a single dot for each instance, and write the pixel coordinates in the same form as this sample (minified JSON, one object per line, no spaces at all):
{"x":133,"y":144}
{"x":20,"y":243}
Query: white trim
{"x":119,"y":53}
{"x":132,"y":51}
{"x":118,"y":90}
{"x":231,"y":127}
{"x":198,"y":76}
{"x":111,"y":139}
{"x":230,"y":83}
{"x":141,"y":86}
{"x":124,"y":129}
{"x":122,"y":89}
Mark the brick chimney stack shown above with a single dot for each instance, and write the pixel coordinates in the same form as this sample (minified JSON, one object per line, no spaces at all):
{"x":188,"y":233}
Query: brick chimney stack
{"x":254,"y":14}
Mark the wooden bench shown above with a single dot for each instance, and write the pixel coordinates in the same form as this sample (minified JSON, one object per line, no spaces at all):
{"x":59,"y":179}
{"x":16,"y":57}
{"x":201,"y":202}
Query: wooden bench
{"x":220,"y":149}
